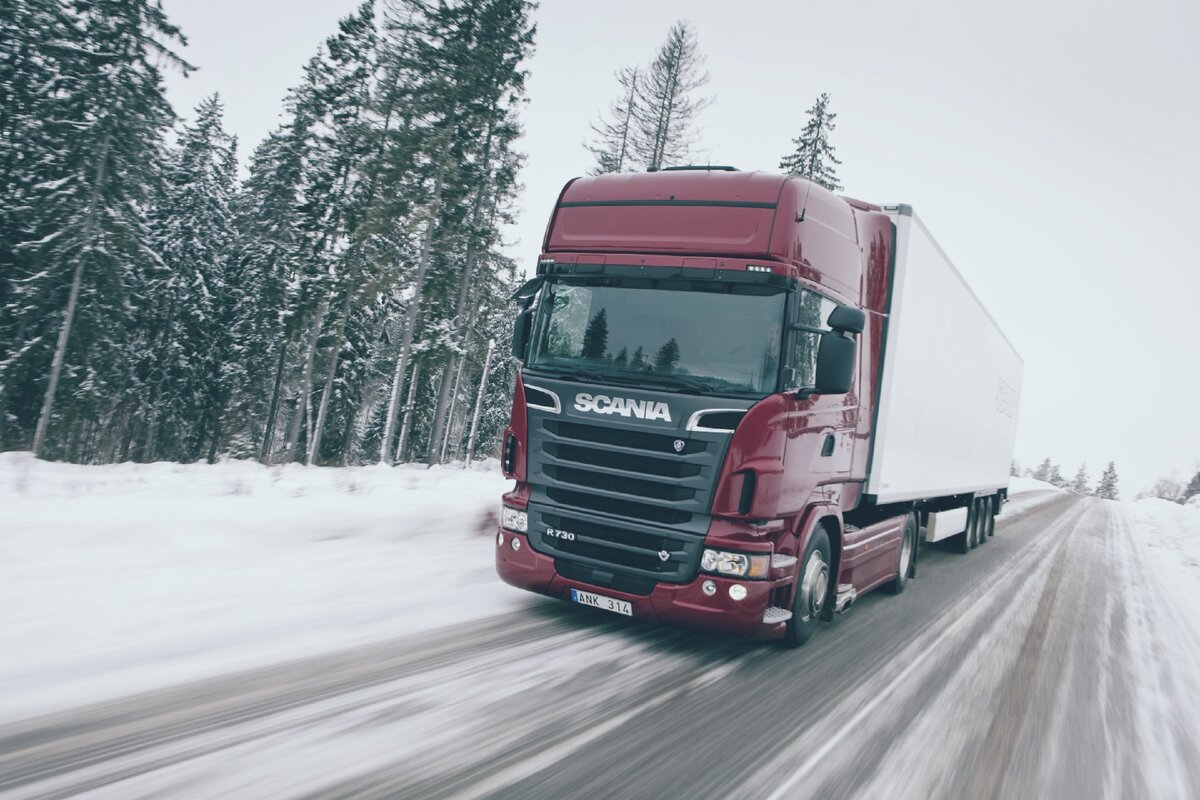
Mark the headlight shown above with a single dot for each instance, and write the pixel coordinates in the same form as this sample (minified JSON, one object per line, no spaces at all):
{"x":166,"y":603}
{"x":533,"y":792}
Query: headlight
{"x":739,"y":564}
{"x":514,"y":519}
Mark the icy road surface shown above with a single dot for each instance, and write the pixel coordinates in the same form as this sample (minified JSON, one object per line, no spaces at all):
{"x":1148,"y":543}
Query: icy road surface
{"x":1055,"y":661}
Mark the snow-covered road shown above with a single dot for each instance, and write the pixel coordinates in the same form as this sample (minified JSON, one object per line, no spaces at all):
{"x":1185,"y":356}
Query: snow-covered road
{"x":1056,"y":661}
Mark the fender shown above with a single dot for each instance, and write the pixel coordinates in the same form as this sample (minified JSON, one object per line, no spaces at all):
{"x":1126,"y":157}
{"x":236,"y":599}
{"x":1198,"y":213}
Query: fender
{"x":806,"y":524}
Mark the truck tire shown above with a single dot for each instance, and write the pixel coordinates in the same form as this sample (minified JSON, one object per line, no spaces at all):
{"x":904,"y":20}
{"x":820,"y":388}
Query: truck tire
{"x":907,"y":556}
{"x":982,"y":516}
{"x":962,"y":543}
{"x":992,"y":509}
{"x":812,"y":589}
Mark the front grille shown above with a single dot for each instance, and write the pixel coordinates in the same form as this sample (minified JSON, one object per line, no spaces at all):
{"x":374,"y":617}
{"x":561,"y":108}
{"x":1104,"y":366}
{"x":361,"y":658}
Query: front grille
{"x":626,"y":494}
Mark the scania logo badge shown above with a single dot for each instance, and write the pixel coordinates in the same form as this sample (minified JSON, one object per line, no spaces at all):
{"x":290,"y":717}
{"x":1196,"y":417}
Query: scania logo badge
{"x":663,"y":555}
{"x":679,"y":445}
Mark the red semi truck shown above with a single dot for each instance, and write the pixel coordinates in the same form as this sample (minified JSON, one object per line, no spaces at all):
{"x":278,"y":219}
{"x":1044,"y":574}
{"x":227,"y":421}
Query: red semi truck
{"x":744,"y":401}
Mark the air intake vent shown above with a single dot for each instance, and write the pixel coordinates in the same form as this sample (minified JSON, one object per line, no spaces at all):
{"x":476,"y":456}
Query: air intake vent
{"x":749,"y":484}
{"x":537,"y":397}
{"x":719,"y":419}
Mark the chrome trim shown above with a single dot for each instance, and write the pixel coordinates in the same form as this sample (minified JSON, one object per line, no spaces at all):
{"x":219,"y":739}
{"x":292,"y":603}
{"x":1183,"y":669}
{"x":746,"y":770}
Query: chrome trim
{"x":557,"y":409}
{"x":694,"y":420}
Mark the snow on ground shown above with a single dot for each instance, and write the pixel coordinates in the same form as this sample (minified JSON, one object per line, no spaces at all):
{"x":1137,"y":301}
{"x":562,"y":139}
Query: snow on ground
{"x":1022,"y":485}
{"x":1170,"y":537}
{"x":117,"y":579}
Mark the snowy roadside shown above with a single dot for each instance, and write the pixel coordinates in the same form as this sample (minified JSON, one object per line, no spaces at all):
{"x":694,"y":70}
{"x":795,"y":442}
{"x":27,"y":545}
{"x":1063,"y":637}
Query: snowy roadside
{"x":122,"y":578}
{"x":1169,"y":536}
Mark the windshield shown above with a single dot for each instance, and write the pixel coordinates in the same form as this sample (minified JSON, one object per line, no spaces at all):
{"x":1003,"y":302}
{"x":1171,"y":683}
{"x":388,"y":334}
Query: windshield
{"x":699,"y":336}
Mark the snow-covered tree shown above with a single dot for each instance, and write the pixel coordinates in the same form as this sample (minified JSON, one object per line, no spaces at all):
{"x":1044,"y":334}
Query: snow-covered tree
{"x":82,"y":260}
{"x":1080,"y":484}
{"x":1193,"y":487}
{"x":813,"y":156}
{"x":183,"y":338}
{"x":1107,"y":487}
{"x":665,"y":110}
{"x":1056,"y":478}
{"x":1043,"y":471}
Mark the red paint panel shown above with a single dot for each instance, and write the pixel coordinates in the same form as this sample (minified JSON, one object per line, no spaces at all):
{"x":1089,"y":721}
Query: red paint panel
{"x":663,"y":229}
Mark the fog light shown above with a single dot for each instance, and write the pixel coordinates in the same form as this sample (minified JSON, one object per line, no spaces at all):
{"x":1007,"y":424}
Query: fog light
{"x":709,"y":588}
{"x":516,"y":545}
{"x":737,"y":592}
{"x":499,"y":540}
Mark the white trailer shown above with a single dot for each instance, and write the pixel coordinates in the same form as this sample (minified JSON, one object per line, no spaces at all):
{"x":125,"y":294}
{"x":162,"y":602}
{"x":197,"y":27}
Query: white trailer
{"x":947,"y":416}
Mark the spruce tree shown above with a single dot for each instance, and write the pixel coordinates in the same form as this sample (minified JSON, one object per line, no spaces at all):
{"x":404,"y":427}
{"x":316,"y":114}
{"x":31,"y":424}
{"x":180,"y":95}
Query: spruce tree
{"x":613,"y":137}
{"x":595,"y":337}
{"x":184,"y":328}
{"x":1080,"y":484}
{"x":81,"y":263}
{"x":813,"y":156}
{"x":667,"y":356}
{"x":1107,"y":487}
{"x":1043,"y":471}
{"x":1193,"y":488}
{"x":665,"y":109}
{"x":1056,"y":478}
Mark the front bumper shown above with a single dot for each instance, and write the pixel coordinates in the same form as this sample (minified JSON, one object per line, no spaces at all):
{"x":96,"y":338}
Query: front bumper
{"x":681,"y":604}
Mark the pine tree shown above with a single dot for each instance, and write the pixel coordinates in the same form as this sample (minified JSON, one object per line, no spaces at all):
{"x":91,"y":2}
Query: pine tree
{"x":1107,"y":487}
{"x":665,"y":111}
{"x":595,"y":337}
{"x":667,"y":356}
{"x":81,"y":261}
{"x":1193,"y":488}
{"x":814,"y":156}
{"x":1043,"y":471}
{"x":1080,"y":484}
{"x":184,"y":329}
{"x":613,"y":137}
{"x":1056,"y":478}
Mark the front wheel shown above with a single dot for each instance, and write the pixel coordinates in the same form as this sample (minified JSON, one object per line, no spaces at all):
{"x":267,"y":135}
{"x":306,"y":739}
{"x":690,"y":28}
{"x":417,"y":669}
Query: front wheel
{"x":812,"y":590}
{"x":907,"y":557}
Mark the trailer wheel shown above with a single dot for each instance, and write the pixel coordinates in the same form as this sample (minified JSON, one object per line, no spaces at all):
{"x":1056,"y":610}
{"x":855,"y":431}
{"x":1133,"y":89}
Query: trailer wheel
{"x":812,"y":589}
{"x":991,"y":512}
{"x":983,"y":515}
{"x":907,"y":556}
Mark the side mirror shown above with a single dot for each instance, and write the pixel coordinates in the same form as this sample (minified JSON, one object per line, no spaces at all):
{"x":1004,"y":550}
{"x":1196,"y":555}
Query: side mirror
{"x":847,"y":320}
{"x":521,"y":330}
{"x":835,"y":364}
{"x":524,"y":296}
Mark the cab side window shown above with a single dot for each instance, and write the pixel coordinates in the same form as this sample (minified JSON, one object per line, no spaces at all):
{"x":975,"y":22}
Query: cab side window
{"x":812,"y":311}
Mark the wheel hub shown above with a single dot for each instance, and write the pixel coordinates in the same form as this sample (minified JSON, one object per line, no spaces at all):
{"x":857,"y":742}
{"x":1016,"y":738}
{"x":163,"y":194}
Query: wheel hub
{"x":813,"y":586}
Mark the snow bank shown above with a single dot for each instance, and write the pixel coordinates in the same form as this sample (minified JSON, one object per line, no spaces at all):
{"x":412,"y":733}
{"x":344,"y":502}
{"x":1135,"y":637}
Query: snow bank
{"x":1021,"y":485}
{"x":1170,"y":536}
{"x":120,"y":578}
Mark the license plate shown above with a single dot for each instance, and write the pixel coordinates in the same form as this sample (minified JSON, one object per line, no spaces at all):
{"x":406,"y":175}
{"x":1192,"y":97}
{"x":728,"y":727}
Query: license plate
{"x":600,"y":601}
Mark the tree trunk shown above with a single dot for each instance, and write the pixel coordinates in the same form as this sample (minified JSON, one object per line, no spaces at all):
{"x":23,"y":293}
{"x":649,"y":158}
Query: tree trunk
{"x":487,"y":363}
{"x":289,"y":454}
{"x":410,"y":321}
{"x":408,"y":410}
{"x":314,"y":451}
{"x":264,"y":451}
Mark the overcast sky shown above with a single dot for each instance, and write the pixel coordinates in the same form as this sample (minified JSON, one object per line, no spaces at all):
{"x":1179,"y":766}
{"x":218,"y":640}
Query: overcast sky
{"x":1051,"y":148}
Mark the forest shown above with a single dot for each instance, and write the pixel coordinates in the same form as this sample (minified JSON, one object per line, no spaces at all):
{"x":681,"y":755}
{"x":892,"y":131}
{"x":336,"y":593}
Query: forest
{"x":338,"y":305}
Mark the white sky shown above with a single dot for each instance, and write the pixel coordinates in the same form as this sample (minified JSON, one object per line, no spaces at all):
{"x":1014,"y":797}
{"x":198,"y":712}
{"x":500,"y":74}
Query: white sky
{"x":1050,"y":147}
